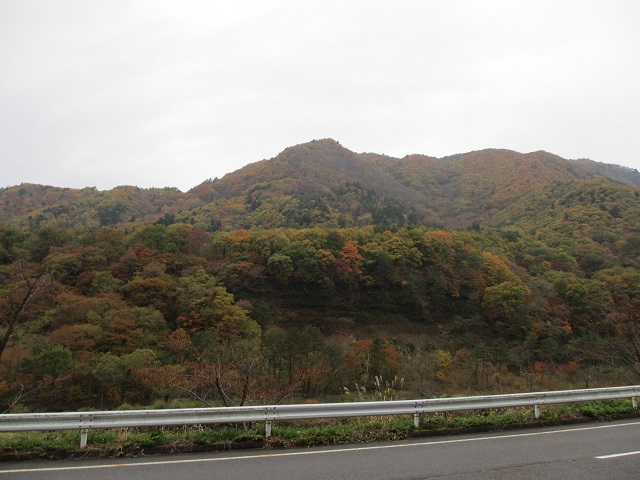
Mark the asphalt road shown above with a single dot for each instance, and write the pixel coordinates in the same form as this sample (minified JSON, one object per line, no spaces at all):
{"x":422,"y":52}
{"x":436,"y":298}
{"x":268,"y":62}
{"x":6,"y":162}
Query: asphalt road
{"x":595,"y":451}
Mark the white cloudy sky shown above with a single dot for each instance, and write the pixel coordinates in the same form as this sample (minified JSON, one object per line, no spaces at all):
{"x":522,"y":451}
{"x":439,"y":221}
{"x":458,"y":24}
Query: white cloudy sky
{"x":170,"y":93}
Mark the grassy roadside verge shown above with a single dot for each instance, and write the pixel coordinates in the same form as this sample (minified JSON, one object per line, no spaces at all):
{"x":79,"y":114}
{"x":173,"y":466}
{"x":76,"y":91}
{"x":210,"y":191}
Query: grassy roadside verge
{"x":135,"y":441}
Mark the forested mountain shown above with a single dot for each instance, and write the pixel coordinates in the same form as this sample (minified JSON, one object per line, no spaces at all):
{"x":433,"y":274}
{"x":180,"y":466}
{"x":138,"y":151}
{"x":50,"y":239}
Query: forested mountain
{"x":319,"y":272}
{"x":319,"y":183}
{"x":340,"y":188}
{"x":625,"y":175}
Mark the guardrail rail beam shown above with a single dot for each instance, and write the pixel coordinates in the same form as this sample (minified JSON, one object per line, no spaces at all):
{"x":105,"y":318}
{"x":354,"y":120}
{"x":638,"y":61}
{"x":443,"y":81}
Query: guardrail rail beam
{"x":84,"y":421}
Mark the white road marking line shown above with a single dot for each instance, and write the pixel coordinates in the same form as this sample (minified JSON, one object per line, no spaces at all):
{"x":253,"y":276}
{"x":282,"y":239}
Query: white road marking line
{"x":616,"y":455}
{"x":319,"y":452}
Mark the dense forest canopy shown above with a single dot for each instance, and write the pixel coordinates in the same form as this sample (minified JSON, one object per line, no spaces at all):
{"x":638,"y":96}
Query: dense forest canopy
{"x":322,"y":273}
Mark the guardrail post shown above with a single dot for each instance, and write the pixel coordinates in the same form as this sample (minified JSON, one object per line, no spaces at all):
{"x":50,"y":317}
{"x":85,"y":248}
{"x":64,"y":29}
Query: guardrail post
{"x":83,"y":437}
{"x":537,"y":411}
{"x":267,"y":428}
{"x":634,"y":403}
{"x":416,"y":420}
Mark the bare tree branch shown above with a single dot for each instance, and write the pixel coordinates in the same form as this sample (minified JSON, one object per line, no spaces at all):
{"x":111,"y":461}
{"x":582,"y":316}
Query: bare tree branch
{"x":15,"y":300}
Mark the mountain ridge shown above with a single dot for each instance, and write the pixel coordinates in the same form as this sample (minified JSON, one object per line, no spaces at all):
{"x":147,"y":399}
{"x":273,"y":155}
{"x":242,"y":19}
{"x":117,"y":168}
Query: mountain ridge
{"x":332,"y":185}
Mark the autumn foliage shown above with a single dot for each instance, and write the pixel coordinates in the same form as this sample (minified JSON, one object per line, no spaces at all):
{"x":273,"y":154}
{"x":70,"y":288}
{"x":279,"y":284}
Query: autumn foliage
{"x":321,"y":274}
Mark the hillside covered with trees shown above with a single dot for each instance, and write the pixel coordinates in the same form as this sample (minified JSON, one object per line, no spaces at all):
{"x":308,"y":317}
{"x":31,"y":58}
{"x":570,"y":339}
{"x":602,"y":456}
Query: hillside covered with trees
{"x":322,"y":274}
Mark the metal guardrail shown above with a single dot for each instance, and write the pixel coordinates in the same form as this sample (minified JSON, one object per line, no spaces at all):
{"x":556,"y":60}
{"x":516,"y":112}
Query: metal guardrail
{"x":84,"y":421}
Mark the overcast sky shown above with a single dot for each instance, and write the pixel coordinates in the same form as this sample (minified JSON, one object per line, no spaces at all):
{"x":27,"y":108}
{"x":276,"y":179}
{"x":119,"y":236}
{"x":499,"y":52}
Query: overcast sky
{"x":170,"y":93}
